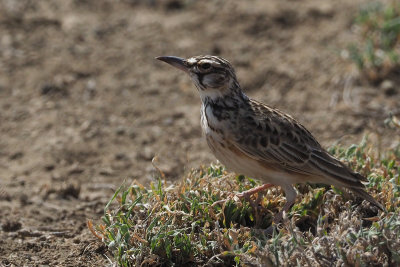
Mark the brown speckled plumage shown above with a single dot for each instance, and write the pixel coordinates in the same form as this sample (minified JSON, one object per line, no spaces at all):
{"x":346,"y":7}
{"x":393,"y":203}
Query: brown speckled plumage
{"x":253,"y":139}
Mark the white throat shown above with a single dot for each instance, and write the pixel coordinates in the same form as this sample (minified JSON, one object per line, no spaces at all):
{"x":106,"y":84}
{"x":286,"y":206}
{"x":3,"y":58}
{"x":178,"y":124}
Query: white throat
{"x":212,"y":94}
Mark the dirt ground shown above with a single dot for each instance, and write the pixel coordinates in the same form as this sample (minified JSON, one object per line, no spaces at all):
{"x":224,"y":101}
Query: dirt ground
{"x":84,"y":106}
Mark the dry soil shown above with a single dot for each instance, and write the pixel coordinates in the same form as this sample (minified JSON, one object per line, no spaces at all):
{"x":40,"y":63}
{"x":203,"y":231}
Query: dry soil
{"x":84,"y":106}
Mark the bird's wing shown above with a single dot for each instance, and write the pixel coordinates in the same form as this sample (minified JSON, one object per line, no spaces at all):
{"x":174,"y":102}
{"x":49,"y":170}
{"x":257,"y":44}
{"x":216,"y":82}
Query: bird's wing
{"x":269,"y":136}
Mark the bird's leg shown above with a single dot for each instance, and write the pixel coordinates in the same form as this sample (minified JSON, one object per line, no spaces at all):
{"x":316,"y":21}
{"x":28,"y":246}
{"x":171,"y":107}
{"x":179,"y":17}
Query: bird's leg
{"x":254,"y":204}
{"x":290,"y":199}
{"x":291,"y":194}
{"x":247,"y":194}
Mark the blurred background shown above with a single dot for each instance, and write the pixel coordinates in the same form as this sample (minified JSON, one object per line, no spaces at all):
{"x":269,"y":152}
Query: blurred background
{"x":84,"y":106}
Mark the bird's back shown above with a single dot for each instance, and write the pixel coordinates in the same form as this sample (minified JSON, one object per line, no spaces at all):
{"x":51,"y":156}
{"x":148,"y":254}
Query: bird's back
{"x":280,"y":142}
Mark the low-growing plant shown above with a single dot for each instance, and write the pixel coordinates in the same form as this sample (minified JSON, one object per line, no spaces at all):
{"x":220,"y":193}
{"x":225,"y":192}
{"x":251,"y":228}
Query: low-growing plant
{"x":377,"y":51}
{"x":181,"y":224}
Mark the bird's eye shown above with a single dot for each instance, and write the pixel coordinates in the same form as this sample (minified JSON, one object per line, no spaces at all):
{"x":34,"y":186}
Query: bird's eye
{"x":205,"y":66}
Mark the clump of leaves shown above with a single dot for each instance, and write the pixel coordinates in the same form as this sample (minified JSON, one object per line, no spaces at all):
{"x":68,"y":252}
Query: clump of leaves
{"x":180,"y":224}
{"x":377,"y":51}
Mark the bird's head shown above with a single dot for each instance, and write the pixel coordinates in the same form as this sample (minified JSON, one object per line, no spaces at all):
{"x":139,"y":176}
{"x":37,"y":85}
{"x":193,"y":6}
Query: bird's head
{"x":213,"y":76}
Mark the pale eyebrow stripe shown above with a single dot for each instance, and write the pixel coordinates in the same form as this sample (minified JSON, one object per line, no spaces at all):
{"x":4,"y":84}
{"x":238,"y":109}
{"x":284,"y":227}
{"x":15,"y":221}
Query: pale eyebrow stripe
{"x":210,"y":61}
{"x":192,"y":60}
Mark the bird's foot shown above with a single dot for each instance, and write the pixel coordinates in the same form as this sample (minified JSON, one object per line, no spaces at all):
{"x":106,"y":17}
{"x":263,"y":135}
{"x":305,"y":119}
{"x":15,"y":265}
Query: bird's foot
{"x":246,"y":194}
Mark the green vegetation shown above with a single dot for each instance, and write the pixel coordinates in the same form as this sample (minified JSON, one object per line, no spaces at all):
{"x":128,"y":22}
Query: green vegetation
{"x":177,"y":224}
{"x":377,"y":51}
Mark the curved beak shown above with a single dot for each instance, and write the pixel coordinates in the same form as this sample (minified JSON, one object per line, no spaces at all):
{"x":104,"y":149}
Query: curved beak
{"x":177,"y":62}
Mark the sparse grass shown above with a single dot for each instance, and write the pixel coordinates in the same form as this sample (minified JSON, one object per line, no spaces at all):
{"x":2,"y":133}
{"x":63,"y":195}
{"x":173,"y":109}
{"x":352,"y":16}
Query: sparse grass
{"x":377,"y":51}
{"x":176,"y":224}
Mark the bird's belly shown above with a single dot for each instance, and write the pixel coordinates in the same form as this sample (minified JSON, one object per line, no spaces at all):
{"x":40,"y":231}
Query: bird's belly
{"x":236,"y":161}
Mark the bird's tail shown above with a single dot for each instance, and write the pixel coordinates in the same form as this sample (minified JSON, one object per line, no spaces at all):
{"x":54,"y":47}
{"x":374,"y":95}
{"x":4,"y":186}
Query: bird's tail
{"x":362,"y":193}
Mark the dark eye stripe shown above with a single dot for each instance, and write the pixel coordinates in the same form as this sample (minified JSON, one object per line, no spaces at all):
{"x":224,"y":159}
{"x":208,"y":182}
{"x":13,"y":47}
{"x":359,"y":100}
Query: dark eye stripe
{"x":205,"y":66}
{"x":201,"y":78}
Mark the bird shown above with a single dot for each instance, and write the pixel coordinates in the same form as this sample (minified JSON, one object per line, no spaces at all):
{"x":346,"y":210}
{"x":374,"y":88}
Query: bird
{"x":258,"y":141}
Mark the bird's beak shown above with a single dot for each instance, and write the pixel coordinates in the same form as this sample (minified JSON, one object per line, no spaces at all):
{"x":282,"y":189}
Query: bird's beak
{"x":177,"y":62}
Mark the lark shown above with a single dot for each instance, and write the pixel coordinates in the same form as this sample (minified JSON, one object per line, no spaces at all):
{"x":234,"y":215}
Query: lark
{"x":258,"y":141}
